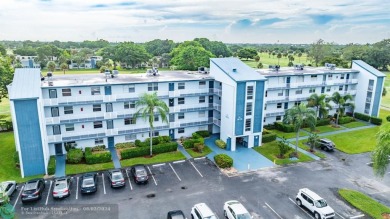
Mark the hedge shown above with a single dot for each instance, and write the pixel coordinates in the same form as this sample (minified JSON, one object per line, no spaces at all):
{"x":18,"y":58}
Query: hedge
{"x":388,"y":118}
{"x":94,"y":158}
{"x":270,"y":126}
{"x":220,"y":143}
{"x":376,"y":121}
{"x":267,"y":137}
{"x":125,"y":145}
{"x":284,"y":127}
{"x":196,"y":135}
{"x":345,"y":120}
{"x":143,"y":151}
{"x":99,"y":148}
{"x":204,"y":133}
{"x":51,"y":167}
{"x":362,"y":116}
{"x":322,"y":122}
{"x":74,"y":155}
{"x":189,"y":143}
{"x":16,"y":158}
{"x":223,"y":160}
{"x":156,"y":140}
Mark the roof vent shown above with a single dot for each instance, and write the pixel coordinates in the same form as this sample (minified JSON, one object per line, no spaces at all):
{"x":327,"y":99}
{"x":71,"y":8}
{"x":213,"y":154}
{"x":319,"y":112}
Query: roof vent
{"x":107,"y":73}
{"x":274,"y":67}
{"x":115,"y":73}
{"x":203,"y":70}
{"x":330,"y":66}
{"x":152,"y":72}
{"x":234,"y":70}
{"x":298,"y":67}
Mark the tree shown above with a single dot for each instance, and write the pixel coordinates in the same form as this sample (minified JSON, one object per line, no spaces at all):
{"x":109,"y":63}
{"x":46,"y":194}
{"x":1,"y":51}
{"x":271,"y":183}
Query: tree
{"x":320,"y":102}
{"x":217,"y":48}
{"x":6,"y":75}
{"x":51,"y":66}
{"x":334,"y":59}
{"x":279,"y":56}
{"x":381,"y":154}
{"x":190,"y":55}
{"x":130,"y":53}
{"x":299,"y":56}
{"x":64,"y":57}
{"x":318,"y":51}
{"x":283,"y":147}
{"x":3,"y":51}
{"x":260,"y":65}
{"x":313,"y":140}
{"x":64,"y":67}
{"x":247,"y":53}
{"x":298,"y":116}
{"x":256,"y":58}
{"x":158,"y":47}
{"x":147,"y":106}
{"x":26,"y":51}
{"x":384,"y":92}
{"x":342,"y":103}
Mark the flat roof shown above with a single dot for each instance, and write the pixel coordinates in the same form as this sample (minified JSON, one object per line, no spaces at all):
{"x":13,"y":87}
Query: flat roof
{"x":306,"y":71}
{"x":100,"y":78}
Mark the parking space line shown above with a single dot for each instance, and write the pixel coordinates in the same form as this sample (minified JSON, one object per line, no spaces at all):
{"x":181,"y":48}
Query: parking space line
{"x":48,"y":194}
{"x":196,"y":169}
{"x":179,"y":161}
{"x":128,"y":178}
{"x":339,"y":215}
{"x":273,"y":210}
{"x":157,"y":165}
{"x":301,"y":208}
{"x":21,"y":189}
{"x":152,"y":175}
{"x":77,"y":189}
{"x":357,"y":216}
{"x":175,"y":172}
{"x":104,"y":185}
{"x":199,"y":158}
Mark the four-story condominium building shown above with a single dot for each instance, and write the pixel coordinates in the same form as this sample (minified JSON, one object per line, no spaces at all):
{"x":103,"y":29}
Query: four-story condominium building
{"x":233,"y":100}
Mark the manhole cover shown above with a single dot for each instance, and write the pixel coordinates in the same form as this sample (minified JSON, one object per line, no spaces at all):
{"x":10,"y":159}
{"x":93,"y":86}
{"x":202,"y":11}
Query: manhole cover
{"x":184,"y":187}
{"x":151,"y":195}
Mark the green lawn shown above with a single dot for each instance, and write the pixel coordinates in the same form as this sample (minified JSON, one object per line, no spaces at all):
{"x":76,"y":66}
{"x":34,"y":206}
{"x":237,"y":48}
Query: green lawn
{"x":270,"y":150}
{"x":281,"y":134}
{"x":4,"y":107}
{"x":383,"y":113}
{"x":355,"y":142}
{"x":325,"y":128}
{"x":159,"y":158}
{"x":354,"y":124}
{"x":193,"y":153}
{"x":84,"y":168}
{"x":364,"y":203}
{"x":272,"y":60}
{"x":8,"y":171}
{"x":94,"y":71}
{"x":305,"y":147}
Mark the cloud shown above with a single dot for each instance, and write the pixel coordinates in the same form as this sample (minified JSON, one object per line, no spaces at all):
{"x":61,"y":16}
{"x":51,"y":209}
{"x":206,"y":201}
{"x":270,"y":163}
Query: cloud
{"x":266,"y":22}
{"x":323,"y":18}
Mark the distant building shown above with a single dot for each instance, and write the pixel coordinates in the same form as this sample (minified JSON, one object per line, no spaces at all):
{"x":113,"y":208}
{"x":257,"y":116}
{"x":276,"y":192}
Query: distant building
{"x":29,"y":62}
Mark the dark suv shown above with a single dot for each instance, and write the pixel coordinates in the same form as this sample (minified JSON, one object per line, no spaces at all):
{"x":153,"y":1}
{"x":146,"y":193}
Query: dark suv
{"x":326,"y":144}
{"x":33,"y":190}
{"x":89,"y":183}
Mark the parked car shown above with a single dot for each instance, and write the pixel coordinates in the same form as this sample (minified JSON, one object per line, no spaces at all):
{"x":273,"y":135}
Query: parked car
{"x":176,"y":215}
{"x":8,"y":187}
{"x":326,"y":144}
{"x":62,"y":187}
{"x":139,"y":174}
{"x":33,"y":190}
{"x":314,"y":203}
{"x":234,"y":209}
{"x":202,"y":211}
{"x":89,"y":183}
{"x":116,"y":178}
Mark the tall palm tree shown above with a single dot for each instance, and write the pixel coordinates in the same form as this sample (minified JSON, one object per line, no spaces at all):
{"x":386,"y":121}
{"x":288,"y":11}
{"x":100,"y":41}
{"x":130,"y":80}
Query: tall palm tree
{"x":299,"y":56}
{"x":279,"y":56}
{"x":341,"y":102}
{"x":381,"y":154}
{"x":320,"y":102}
{"x":297,"y":116}
{"x":148,"y":105}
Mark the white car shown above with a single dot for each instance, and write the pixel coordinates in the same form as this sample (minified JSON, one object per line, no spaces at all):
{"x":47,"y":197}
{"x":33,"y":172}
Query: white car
{"x":8,"y":187}
{"x":235,"y":210}
{"x":314,"y":203}
{"x":202,"y":211}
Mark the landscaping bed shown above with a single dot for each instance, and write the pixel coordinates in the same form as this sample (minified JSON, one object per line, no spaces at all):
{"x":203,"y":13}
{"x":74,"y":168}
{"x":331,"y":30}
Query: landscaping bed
{"x":281,"y":134}
{"x":302,"y":145}
{"x":194,"y":153}
{"x":325,"y":128}
{"x":354,"y":124}
{"x":158,"y":158}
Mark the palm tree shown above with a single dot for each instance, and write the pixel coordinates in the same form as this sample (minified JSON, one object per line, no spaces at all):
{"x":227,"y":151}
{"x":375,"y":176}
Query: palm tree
{"x":381,"y":154}
{"x":279,"y":56}
{"x":299,"y":56}
{"x":320,"y":102}
{"x":51,"y":66}
{"x":64,"y":67}
{"x":148,"y":105}
{"x":341,"y":102}
{"x":297,"y":116}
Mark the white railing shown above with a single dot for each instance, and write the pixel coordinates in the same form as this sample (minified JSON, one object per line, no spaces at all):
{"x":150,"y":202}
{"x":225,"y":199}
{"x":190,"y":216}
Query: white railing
{"x":52,"y":120}
{"x":217,"y":106}
{"x":110,"y":115}
{"x":217,"y":121}
{"x":109,"y":98}
{"x":110,"y":132}
{"x":80,"y":99}
{"x":186,"y":107}
{"x":82,"y":116}
{"x":54,"y":138}
{"x":50,"y":102}
{"x":217,"y":91}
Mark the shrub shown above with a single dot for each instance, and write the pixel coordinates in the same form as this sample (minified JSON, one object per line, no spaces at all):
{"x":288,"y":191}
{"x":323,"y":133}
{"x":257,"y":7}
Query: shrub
{"x":346,"y":119}
{"x":376,"y":121}
{"x":16,"y":158}
{"x":270,"y":126}
{"x":137,"y":143}
{"x":196,"y":135}
{"x":204,"y":133}
{"x":189,"y":143}
{"x":321,"y":122}
{"x":199,"y":147}
{"x":284,"y":127}
{"x":220,"y":143}
{"x":223,"y":160}
{"x":94,"y":158}
{"x":268,"y":137}
{"x":164,"y":139}
{"x":125,"y":145}
{"x":51,"y":167}
{"x":98,"y":148}
{"x":155,"y":141}
{"x":143,"y":151}
{"x":283,"y":147}
{"x":388,"y":118}
{"x":74,"y":155}
{"x":362,"y":116}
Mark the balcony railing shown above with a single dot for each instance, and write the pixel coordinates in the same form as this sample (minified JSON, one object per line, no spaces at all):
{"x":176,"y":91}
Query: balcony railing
{"x":217,"y":122}
{"x":275,"y":114}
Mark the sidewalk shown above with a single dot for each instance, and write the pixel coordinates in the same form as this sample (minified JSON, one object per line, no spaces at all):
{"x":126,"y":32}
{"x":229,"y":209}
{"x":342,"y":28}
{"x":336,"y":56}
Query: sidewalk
{"x":114,"y":157}
{"x":183,"y":151}
{"x":60,"y":165}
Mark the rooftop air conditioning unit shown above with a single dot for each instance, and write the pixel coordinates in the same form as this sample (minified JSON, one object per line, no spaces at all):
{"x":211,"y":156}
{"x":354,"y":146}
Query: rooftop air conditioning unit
{"x":330,"y":66}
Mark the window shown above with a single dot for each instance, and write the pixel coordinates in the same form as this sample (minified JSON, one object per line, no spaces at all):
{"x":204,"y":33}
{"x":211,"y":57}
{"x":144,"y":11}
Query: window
{"x":180,"y":100}
{"x":202,"y":84}
{"x":249,"y":93}
{"x":265,"y":106}
{"x":130,"y":137}
{"x":313,"y":77}
{"x":56,"y":130}
{"x":156,"y":133}
{"x":279,"y":105}
{"x":266,"y":93}
{"x":180,"y":116}
{"x":297,"y":103}
{"x":202,"y":114}
{"x":247,"y":125}
{"x":181,"y":86}
{"x":131,"y":88}
{"x":152,"y":86}
{"x":278,"y":118}
{"x":68,"y":109}
{"x":180,"y":130}
{"x":342,"y":76}
{"x":248,"y":109}
{"x":328,"y":89}
{"x":95,"y":90}
{"x":202,"y":99}
{"x":97,"y":107}
{"x":341,"y":88}
{"x":156,"y":119}
{"x":298,"y":91}
{"x":110,"y":124}
{"x":330,"y":77}
{"x":129,"y":105}
{"x":109,"y":107}
{"x":99,"y":141}
{"x":69,"y":127}
{"x":98,"y":124}
{"x":66,"y":92}
{"x":312,"y":90}
{"x":280,"y":93}
{"x":55,"y":112}
{"x":130,"y":121}
{"x":52,"y":93}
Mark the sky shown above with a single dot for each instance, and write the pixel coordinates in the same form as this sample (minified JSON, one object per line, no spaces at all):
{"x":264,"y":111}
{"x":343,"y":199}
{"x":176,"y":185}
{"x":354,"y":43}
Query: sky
{"x":240,"y":21}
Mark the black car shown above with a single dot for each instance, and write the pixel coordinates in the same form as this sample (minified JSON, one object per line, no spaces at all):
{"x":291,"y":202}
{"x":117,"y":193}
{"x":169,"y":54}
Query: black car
{"x":176,"y":215}
{"x":89,"y":183}
{"x":139,"y":174}
{"x":116,"y":178}
{"x":33,"y":190}
{"x":326,"y":144}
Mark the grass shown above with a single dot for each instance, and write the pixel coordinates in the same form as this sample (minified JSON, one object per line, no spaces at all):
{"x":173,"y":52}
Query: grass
{"x":159,"y":158}
{"x":205,"y":152}
{"x":354,"y":124}
{"x":281,"y":134}
{"x":4,"y":107}
{"x":364,"y":203}
{"x":94,"y":71}
{"x":270,"y":150}
{"x":355,"y":142}
{"x":272,"y":60}
{"x":323,"y":129}
{"x":84,"y":168}
{"x":8,"y":171}
{"x":383,"y":113}
{"x":305,"y":147}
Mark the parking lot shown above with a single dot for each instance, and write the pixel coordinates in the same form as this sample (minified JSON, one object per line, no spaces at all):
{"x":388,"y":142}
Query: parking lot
{"x":266,"y":193}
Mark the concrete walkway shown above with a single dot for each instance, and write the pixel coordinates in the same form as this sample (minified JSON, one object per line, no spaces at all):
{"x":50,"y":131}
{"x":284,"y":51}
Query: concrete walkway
{"x":114,"y":157}
{"x":183,"y":151}
{"x":244,"y":159}
{"x":60,"y":165}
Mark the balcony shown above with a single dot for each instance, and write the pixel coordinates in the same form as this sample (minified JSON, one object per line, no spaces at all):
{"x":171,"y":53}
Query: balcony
{"x":368,"y":100}
{"x":71,"y":136}
{"x":217,"y":107}
{"x":278,"y":99}
{"x":216,"y":91}
{"x":52,"y":120}
{"x":308,"y":84}
{"x":189,"y":108}
{"x":277,"y":87}
{"x":281,"y":113}
{"x":111,"y":132}
{"x":109,"y":98}
{"x":370,"y":88}
{"x":189,"y":92}
{"x":73,"y":100}
{"x":110,"y":115}
{"x":217,"y":122}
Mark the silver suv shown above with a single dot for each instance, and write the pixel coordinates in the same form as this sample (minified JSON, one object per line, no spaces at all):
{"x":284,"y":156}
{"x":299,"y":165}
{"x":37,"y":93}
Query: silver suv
{"x":314,"y":203}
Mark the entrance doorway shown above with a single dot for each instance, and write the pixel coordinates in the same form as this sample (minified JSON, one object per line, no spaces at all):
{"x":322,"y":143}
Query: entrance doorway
{"x":242,"y":141}
{"x":58,"y":149}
